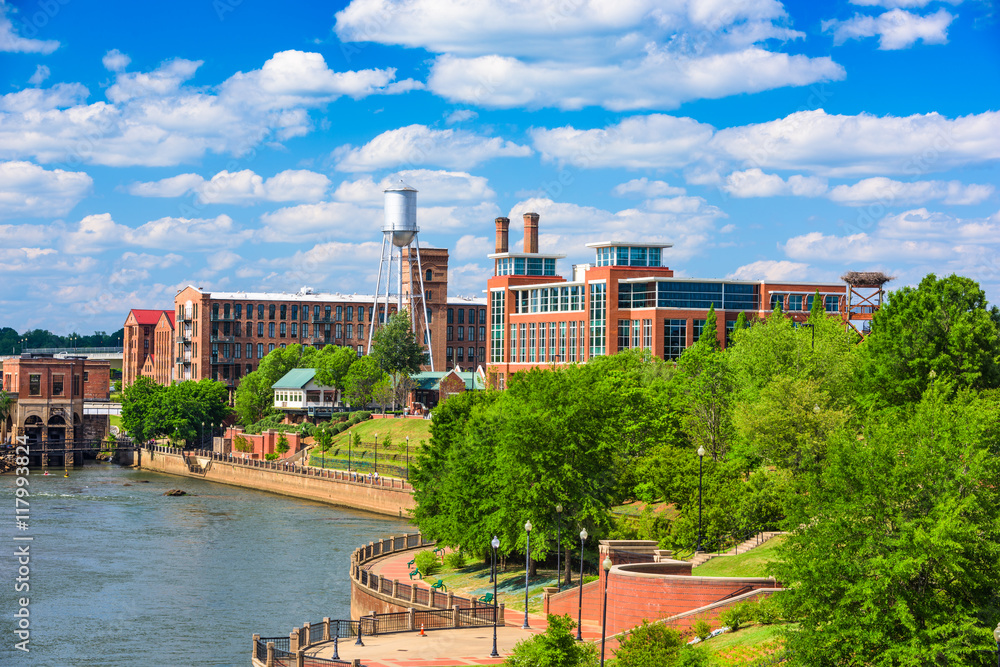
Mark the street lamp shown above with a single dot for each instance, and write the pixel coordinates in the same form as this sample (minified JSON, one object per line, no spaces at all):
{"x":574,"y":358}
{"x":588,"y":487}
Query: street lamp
{"x":407,"y":458}
{"x":527,"y":568}
{"x":376,"y":452}
{"x":495,"y":543}
{"x":701,"y":457}
{"x":579,"y":611}
{"x":202,"y":433}
{"x":558,"y":537}
{"x":996,"y":636}
{"x":604,"y":615}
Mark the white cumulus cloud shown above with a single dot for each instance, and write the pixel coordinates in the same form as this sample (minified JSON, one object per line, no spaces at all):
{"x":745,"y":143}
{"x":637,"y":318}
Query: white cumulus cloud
{"x":241,"y":187}
{"x":891,"y":192}
{"x":768,"y":269}
{"x":12,"y":42}
{"x":421,"y":145}
{"x":896,"y":29}
{"x":27,"y":190}
{"x":647,"y":188}
{"x":433,"y":186}
{"x":756,"y":183}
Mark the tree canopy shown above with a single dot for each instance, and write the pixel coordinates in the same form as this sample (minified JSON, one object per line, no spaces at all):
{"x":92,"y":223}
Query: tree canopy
{"x":177,"y":411}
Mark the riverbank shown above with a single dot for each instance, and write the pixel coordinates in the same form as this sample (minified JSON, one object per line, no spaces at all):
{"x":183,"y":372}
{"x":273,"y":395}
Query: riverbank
{"x":386,"y":496}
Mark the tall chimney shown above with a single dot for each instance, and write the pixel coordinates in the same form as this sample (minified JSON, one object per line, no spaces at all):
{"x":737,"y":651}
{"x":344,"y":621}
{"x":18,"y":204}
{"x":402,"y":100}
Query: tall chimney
{"x":531,"y":232}
{"x":503,"y":224}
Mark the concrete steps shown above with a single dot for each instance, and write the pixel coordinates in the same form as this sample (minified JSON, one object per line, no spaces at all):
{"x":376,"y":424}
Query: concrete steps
{"x":743,"y":547}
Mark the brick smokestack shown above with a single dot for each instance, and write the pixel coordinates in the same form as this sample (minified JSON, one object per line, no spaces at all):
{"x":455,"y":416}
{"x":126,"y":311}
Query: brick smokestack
{"x":531,"y":232}
{"x":503,"y":224}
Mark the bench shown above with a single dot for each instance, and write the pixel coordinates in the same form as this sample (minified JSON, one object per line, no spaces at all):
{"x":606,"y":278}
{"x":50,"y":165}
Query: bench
{"x":439,"y":586}
{"x":486,"y":599}
{"x":415,"y":572}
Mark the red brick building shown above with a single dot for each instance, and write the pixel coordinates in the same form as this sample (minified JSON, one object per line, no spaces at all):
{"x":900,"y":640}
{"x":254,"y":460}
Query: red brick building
{"x":626,"y":299}
{"x":148,"y":335}
{"x":49,"y":393}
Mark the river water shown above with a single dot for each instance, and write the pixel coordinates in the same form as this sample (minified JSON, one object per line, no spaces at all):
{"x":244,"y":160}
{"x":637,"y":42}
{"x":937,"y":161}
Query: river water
{"x":122,"y":575}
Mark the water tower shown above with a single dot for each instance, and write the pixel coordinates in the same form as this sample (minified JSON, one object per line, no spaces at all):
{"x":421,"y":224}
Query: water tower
{"x":399,"y":231}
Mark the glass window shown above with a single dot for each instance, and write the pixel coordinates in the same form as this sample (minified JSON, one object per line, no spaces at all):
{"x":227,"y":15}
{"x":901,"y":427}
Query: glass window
{"x":623,"y":334}
{"x":795,"y":302}
{"x":340,"y":313}
{"x":350,"y":314}
{"x":531,"y":342}
{"x":697,"y":329}
{"x":497,"y":313}
{"x":260,"y":328}
{"x":57,"y":385}
{"x":270,"y":329}
{"x":34,"y":384}
{"x":541,"y":341}
{"x":295,"y":329}
{"x":361,"y":313}
{"x":654,"y":256}
{"x":461,"y":332}
{"x":598,"y":318}
{"x":521,"y":355}
{"x":637,"y":257}
{"x":349,"y":333}
{"x":326,"y":313}
{"x":688,"y":295}
{"x":283,"y":330}
{"x":428,"y":275}
{"x":831,"y":303}
{"x":740,"y":297}
{"x":461,"y":316}
{"x":249,"y":351}
{"x":482,"y":316}
{"x":339,"y":332}
{"x":238,"y":311}
{"x":249,"y":311}
{"x":284,"y":311}
{"x":260,"y":311}
{"x":270,"y":311}
{"x":777,"y":301}
{"x":451,"y":316}
{"x":572,"y":341}
{"x":674,"y":338}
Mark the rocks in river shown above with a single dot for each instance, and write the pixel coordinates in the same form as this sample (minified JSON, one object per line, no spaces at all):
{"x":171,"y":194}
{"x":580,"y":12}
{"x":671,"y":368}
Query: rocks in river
{"x":144,"y":481}
{"x":126,"y":484}
{"x":175,"y":492}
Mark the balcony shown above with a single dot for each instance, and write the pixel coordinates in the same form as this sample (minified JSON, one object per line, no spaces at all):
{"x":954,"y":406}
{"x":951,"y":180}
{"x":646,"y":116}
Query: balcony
{"x":221,"y":339}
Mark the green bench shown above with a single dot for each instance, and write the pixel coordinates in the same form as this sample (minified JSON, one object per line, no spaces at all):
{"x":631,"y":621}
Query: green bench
{"x":439,"y":586}
{"x":486,"y":599}
{"x":415,"y":572}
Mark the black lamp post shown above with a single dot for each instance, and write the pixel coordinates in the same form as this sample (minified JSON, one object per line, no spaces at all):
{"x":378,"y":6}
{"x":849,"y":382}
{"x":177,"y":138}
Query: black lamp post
{"x":996,"y":636}
{"x":376,"y":452}
{"x":407,"y":458}
{"x":701,"y":457}
{"x":495,"y":543}
{"x":348,"y":455}
{"x":604,"y":614}
{"x":579,"y":610}
{"x":202,"y":433}
{"x":558,"y":537}
{"x":527,"y":569}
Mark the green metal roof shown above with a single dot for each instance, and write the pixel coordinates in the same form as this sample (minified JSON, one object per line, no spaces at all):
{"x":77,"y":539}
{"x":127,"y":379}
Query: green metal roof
{"x":429,"y":380}
{"x":297,"y":378}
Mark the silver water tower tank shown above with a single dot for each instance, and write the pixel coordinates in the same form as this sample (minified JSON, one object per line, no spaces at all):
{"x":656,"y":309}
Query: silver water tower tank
{"x":401,"y":214}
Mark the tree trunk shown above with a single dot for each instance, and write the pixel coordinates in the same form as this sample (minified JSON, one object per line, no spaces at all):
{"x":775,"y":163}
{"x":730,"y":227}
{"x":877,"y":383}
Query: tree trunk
{"x":568,"y":570}
{"x":532,"y":567}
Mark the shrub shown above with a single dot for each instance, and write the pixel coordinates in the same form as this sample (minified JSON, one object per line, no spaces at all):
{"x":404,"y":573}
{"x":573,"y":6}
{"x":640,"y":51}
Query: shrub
{"x":702,"y":629}
{"x":241,"y":444}
{"x":648,"y":645}
{"x":362,"y":415}
{"x":556,"y":647}
{"x":455,"y":560}
{"x":735,"y":617}
{"x":427,"y":562}
{"x":692,"y":656}
{"x":271,"y":457}
{"x":765,"y":612}
{"x":282,"y":445}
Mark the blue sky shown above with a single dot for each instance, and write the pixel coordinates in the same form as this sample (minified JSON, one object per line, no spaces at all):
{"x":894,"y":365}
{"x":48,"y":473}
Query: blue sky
{"x":236,"y":145}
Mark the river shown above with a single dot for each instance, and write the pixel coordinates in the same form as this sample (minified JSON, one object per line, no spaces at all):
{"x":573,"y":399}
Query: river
{"x":122,"y":575}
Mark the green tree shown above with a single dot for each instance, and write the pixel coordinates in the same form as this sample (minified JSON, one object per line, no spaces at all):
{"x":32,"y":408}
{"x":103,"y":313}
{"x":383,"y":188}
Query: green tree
{"x":895,"y":555}
{"x":710,"y":332}
{"x":708,"y":388}
{"x":556,"y":647}
{"x":332,"y":364}
{"x":242,"y":444}
{"x":362,"y":380}
{"x":254,"y":398}
{"x":6,"y":405}
{"x":139,"y":403}
{"x":943,"y":326}
{"x":395,"y":348}
{"x":282,"y":445}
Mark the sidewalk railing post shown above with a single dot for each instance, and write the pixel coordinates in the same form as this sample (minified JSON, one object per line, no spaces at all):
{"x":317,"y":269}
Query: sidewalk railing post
{"x":326,"y":628}
{"x":253,"y":653}
{"x":270,"y":655}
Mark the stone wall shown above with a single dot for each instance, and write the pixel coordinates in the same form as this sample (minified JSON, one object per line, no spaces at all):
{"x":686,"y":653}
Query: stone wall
{"x":95,"y":427}
{"x":342,"y":492}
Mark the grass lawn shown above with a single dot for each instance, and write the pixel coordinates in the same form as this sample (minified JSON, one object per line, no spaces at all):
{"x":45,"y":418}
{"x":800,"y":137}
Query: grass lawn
{"x":745,"y":646}
{"x":116,"y":420}
{"x":753,"y":563}
{"x":417,"y":429}
{"x":337,"y":457}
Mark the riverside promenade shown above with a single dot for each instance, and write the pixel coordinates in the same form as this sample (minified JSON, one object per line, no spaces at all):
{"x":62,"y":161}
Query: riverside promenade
{"x":444,"y":647}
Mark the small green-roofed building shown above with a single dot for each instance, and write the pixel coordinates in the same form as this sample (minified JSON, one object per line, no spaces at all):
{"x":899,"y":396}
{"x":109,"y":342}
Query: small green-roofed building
{"x":298,"y":395}
{"x":432,"y":388}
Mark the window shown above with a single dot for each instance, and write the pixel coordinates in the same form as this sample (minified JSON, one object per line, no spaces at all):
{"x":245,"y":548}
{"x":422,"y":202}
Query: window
{"x":284,"y":312}
{"x":295,"y":329}
{"x":472,"y":315}
{"x":795,"y":302}
{"x":283,"y":329}
{"x":270,"y":348}
{"x":340,"y":314}
{"x":238,"y":308}
{"x":430,"y":295}
{"x":227,"y":311}
{"x":697,"y":329}
{"x":249,"y":311}
{"x":237,"y":329}
{"x":674,"y":338}
{"x":361,"y":349}
{"x":57,"y":385}
{"x":249,"y":351}
{"x":326,"y":313}
{"x":461,"y":316}
{"x":497,"y":300}
{"x":270,"y":311}
{"x":482,"y":333}
{"x":730,"y":329}
{"x":350,"y":331}
{"x":647,"y":334}
{"x":451,"y":333}
{"x":521,"y":355}
{"x":215,"y":315}
{"x":449,"y":354}
{"x":572,"y":341}
{"x":260,"y":311}
{"x":513,"y":343}
{"x":541,"y":341}
{"x":428,"y":275}
{"x":34,"y":385}
{"x":831,"y":303}
{"x":305,"y":329}
{"x":623,"y":334}
{"x":451,"y":316}
{"x":339,"y":331}
{"x":598,"y":317}
{"x":482,"y":316}
{"x":472,"y":355}
{"x":531,"y":343}
{"x":361,"y":331}
{"x":249,"y":369}
{"x":350,"y":314}
{"x":260,"y":329}
{"x":295,"y":312}
{"x":562,"y":341}
{"x":361,"y":313}
{"x":777,"y":301}
{"x":76,"y":385}
{"x":461,"y":355}
{"x":238,"y":349}
{"x":461,"y":332}
{"x":270,"y":330}
{"x":260,"y":350}
{"x":315,"y":313}
{"x":482,"y":355}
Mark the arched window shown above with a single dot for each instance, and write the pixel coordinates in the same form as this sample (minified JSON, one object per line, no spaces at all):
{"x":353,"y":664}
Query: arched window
{"x":430,"y":275}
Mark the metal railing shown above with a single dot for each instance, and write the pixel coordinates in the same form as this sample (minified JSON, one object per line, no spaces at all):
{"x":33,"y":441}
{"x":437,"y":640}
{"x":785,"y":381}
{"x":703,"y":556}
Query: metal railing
{"x":477,"y":615}
{"x":74,"y":350}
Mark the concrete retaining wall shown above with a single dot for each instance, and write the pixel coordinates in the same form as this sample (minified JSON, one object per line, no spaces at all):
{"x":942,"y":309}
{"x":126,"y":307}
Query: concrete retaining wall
{"x":345,"y":493}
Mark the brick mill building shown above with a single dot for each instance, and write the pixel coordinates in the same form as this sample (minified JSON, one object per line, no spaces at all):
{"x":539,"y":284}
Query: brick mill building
{"x":626,"y":299}
{"x":224,"y":335}
{"x":48,"y":395}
